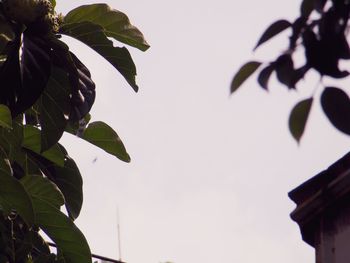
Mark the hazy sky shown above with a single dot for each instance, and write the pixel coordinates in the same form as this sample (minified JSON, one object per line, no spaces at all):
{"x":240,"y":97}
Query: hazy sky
{"x":210,"y":172}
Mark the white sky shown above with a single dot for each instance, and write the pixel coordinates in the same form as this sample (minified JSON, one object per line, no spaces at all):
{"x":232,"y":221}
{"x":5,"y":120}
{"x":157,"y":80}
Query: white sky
{"x":210,"y":173}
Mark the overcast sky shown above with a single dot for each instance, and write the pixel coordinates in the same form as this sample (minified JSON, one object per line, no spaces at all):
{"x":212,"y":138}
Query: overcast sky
{"x":210,"y":172}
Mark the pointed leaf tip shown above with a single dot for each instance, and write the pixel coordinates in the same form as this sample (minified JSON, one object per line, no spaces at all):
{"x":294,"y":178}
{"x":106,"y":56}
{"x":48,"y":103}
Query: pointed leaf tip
{"x":274,"y":29}
{"x":243,"y":74}
{"x":298,"y":118}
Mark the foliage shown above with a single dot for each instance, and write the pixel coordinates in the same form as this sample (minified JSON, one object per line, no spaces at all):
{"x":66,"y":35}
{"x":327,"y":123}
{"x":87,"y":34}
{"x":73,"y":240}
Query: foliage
{"x":45,"y":91}
{"x":321,"y":32}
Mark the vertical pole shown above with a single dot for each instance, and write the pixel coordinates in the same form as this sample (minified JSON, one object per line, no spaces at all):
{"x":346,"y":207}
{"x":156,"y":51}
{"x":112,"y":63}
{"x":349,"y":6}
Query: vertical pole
{"x":118,"y":230}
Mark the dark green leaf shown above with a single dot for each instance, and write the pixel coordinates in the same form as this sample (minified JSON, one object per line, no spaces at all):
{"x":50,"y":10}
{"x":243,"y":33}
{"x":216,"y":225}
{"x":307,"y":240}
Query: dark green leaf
{"x":43,"y":189}
{"x":5,"y":117}
{"x":54,"y":108}
{"x":104,"y":137}
{"x":69,"y":181}
{"x":114,"y":23}
{"x":93,"y":35}
{"x":69,"y":239}
{"x":336,"y":105}
{"x":31,"y":138}
{"x":243,"y":73}
{"x":32,"y":141}
{"x":13,"y":196}
{"x":299,"y":117}
{"x":274,"y":29}
{"x":264,"y":76}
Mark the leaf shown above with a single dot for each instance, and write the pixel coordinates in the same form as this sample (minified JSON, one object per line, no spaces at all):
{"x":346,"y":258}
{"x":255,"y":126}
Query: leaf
{"x":32,"y":141}
{"x":5,"y":117}
{"x":67,"y":178}
{"x":336,"y":105}
{"x":243,"y":73}
{"x":35,"y":71}
{"x":299,"y":117}
{"x":103,"y":136}
{"x":69,"y":181}
{"x":13,"y":196}
{"x":264,"y":76}
{"x":69,"y":239}
{"x":274,"y":29}
{"x":54,"y":108}
{"x":114,"y":23}
{"x":93,"y":35}
{"x":31,"y":138}
{"x":43,"y":189}
{"x":83,"y":93}
{"x":285,"y":71}
{"x":306,"y":7}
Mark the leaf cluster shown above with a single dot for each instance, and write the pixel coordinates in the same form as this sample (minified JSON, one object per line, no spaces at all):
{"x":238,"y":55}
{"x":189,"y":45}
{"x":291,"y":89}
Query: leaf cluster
{"x":321,"y":32}
{"x":46,"y":90}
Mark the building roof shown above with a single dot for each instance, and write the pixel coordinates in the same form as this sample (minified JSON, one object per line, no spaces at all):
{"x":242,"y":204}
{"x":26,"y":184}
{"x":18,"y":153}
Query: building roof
{"x":328,"y":188}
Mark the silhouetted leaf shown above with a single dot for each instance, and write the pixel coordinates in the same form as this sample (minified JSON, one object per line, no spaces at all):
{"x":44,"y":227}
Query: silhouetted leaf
{"x":114,"y":23}
{"x":93,"y":35}
{"x":5,"y":117}
{"x":35,"y":70}
{"x":264,"y":76}
{"x":69,"y":239}
{"x":274,"y":29}
{"x":13,"y":196}
{"x":285,"y":70}
{"x":243,"y":73}
{"x":299,"y":117}
{"x":103,"y":136}
{"x":83,"y":92}
{"x":336,"y":105}
{"x":54,"y":108}
{"x":306,"y":7}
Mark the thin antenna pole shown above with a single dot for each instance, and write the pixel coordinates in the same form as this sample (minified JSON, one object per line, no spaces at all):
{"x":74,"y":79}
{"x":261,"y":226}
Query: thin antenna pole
{"x":118,"y":229}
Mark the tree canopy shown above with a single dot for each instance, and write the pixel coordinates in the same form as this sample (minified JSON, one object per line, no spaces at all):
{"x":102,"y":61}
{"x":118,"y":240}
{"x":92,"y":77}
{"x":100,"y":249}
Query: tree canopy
{"x":321,"y":33}
{"x":47,"y":90}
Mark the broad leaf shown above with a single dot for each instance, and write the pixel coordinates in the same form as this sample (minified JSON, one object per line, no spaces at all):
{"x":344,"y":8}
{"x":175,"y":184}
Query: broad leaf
{"x":336,"y":105}
{"x":299,"y":117}
{"x":104,"y":137}
{"x":43,"y":189}
{"x":32,"y":141}
{"x":67,"y":178}
{"x":13,"y":196}
{"x":35,"y":71}
{"x":68,"y":238}
{"x":83,"y":91}
{"x":54,"y":108}
{"x":264,"y":76}
{"x":11,"y":140}
{"x":114,"y":23}
{"x":243,"y":73}
{"x":274,"y":29}
{"x":5,"y":117}
{"x":69,"y":181}
{"x":93,"y":35}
